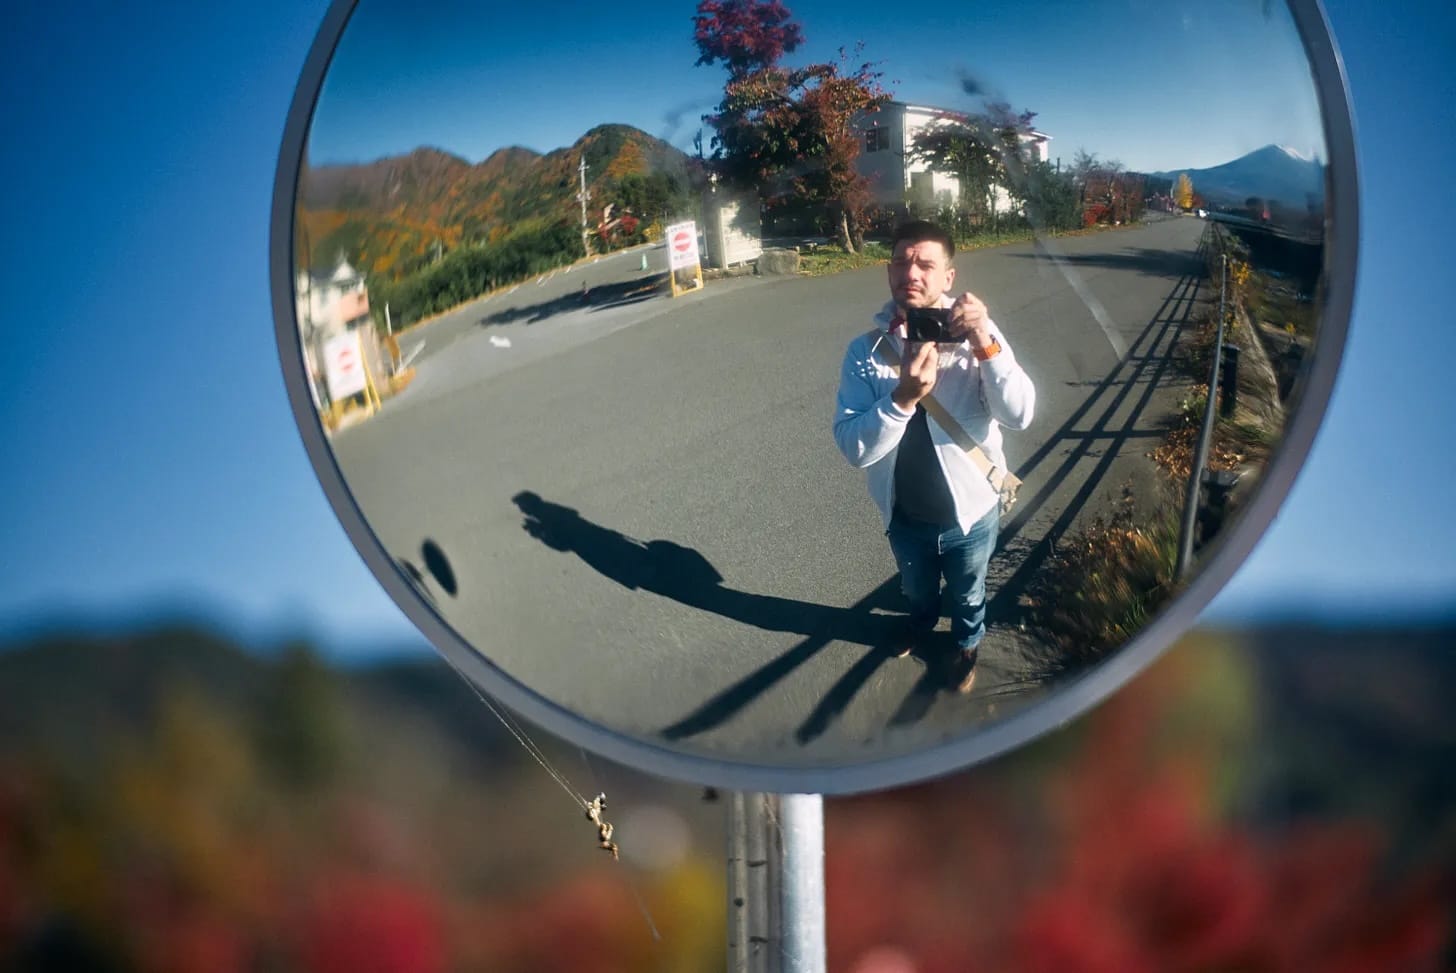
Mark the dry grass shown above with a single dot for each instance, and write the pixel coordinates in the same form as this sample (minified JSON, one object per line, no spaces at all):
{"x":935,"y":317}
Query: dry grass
{"x":1104,"y":583}
{"x":1236,"y":441}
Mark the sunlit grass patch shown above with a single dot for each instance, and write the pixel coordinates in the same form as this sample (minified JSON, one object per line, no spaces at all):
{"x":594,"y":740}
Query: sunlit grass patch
{"x":993,"y":238}
{"x":834,"y":259}
{"x":1104,"y":583}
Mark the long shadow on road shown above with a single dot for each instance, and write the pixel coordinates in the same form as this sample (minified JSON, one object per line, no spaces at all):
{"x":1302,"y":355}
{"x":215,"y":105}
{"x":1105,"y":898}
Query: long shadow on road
{"x":597,"y":298}
{"x":668,"y":569}
{"x":1149,"y":261}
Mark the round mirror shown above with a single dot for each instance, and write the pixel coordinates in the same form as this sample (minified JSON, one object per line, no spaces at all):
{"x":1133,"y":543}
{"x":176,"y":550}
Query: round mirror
{"x":599,"y":338}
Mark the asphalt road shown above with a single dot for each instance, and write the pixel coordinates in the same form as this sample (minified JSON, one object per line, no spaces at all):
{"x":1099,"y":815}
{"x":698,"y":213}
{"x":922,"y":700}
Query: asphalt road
{"x":633,"y":504}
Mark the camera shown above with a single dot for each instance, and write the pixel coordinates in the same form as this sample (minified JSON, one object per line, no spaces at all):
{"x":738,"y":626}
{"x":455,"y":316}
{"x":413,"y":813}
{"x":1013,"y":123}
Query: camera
{"x":929,"y":324}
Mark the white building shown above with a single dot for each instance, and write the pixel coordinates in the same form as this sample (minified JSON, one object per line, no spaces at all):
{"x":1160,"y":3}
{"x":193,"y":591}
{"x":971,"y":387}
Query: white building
{"x":896,"y":178}
{"x":331,"y":302}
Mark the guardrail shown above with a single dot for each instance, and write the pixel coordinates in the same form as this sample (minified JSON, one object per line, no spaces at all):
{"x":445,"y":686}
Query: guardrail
{"x":1222,"y":384}
{"x":1294,"y":234}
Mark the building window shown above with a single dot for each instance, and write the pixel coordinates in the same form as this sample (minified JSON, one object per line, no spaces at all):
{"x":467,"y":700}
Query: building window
{"x":877,"y":140}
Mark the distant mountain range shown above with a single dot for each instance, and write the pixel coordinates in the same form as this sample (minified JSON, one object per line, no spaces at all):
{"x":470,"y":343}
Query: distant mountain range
{"x":1273,"y":173}
{"x":390,"y":215}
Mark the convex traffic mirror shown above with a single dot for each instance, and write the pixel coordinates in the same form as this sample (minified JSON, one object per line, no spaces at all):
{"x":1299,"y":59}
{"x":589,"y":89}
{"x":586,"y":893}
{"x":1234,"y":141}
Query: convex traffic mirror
{"x":568,"y":325}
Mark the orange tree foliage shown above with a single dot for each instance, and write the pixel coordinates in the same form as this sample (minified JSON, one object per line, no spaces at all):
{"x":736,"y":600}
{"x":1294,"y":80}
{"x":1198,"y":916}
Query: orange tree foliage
{"x":1114,"y":195}
{"x":628,"y":161}
{"x":1183,"y":193}
{"x":468,"y":272}
{"x":378,"y":246}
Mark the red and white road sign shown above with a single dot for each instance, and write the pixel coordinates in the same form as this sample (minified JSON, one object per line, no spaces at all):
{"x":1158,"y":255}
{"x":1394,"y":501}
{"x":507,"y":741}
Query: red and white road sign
{"x":682,"y":245}
{"x":344,"y":366}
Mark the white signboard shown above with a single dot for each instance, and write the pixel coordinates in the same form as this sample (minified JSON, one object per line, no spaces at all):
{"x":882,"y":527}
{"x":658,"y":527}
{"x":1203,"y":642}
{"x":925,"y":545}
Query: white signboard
{"x":344,"y":366}
{"x":732,"y":230}
{"x":682,"y":245}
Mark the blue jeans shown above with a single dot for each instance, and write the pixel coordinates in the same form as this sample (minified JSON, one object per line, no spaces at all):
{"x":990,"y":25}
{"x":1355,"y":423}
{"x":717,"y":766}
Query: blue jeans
{"x":925,"y":552}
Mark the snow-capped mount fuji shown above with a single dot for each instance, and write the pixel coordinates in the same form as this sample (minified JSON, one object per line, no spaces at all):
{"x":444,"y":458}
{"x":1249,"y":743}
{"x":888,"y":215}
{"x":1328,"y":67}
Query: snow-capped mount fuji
{"x":1275,"y":173}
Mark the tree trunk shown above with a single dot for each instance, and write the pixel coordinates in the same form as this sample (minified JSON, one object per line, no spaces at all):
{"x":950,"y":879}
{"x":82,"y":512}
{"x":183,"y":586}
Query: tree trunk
{"x":844,"y":238}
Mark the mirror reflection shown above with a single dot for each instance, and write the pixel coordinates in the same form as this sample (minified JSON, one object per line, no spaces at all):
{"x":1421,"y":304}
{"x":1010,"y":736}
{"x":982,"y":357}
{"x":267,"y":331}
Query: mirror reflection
{"x":617,"y":338}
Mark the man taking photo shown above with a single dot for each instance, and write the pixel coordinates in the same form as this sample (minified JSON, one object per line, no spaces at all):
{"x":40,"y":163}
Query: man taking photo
{"x":940,"y":509}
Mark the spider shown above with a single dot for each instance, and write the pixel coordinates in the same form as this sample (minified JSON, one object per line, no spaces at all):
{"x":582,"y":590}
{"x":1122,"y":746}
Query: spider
{"x":594,"y":809}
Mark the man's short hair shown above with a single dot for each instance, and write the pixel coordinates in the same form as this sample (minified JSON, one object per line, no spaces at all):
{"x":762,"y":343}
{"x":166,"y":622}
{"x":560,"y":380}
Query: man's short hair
{"x":923,"y":231}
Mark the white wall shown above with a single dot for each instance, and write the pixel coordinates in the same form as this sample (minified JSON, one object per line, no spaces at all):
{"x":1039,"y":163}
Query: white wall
{"x":895,"y":178}
{"x":320,"y":302}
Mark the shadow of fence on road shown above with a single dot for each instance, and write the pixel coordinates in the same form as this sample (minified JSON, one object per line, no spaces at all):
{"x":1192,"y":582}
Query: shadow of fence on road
{"x":1146,"y":365}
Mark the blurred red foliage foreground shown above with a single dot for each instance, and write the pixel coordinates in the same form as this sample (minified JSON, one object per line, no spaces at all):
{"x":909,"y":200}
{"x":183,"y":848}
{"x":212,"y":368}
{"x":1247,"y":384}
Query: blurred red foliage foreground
{"x":175,"y":805}
{"x":1136,"y":843}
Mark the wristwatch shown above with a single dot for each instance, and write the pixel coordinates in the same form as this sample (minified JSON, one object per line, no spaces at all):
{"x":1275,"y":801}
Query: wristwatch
{"x":991,"y":352}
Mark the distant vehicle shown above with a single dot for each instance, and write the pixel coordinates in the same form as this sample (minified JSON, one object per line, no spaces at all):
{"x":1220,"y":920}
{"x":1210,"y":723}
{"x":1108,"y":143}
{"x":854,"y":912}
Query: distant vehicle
{"x":1203,"y":214}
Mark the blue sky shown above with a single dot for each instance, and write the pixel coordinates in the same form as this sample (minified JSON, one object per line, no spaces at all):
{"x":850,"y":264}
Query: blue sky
{"x":1218,"y":85}
{"x":152,"y":464}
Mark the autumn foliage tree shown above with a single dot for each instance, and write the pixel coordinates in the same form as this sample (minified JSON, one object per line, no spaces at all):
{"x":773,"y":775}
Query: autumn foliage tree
{"x":744,"y":36}
{"x":831,"y":104}
{"x":786,"y":130}
{"x":1108,"y":191}
{"x":1183,"y":192}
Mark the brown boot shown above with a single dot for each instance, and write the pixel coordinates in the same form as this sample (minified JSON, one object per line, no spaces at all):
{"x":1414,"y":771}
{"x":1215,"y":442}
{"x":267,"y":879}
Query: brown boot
{"x":966,"y":672}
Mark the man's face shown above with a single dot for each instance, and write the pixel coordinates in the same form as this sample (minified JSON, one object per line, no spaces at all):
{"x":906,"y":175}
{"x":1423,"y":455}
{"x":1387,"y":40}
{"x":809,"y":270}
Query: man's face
{"x":919,"y":273}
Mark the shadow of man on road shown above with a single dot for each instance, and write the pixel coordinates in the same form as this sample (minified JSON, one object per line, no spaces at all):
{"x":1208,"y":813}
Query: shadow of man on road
{"x":671,"y":570}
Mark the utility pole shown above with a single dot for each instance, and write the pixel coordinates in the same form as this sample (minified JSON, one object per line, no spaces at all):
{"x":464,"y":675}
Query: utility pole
{"x":585,"y":238}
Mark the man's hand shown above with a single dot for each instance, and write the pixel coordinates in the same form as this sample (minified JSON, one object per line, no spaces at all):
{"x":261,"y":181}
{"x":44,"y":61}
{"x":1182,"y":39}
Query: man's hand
{"x":969,"y":322}
{"x":917,"y":375}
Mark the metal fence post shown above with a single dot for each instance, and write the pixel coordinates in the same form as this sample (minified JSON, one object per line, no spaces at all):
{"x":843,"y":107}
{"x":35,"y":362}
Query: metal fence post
{"x":1228,"y":399}
{"x":801,"y":899}
{"x":776,"y":883}
{"x":1205,"y":436}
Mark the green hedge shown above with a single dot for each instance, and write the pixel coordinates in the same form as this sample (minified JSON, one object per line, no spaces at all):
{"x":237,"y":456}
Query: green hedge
{"x":469,"y":272}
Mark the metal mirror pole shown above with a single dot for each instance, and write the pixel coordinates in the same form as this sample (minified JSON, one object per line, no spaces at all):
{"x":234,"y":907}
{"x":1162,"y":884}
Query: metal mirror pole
{"x":775,"y":883}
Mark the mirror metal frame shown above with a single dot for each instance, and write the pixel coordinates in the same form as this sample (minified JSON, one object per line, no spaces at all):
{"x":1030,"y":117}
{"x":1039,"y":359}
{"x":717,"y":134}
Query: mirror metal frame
{"x":1063,"y":704}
